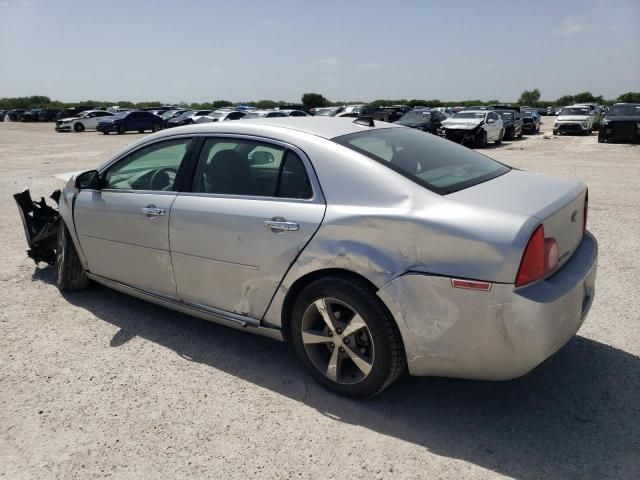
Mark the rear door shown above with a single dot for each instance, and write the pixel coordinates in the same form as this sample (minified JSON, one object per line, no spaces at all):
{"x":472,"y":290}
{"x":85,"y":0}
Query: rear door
{"x":124,"y":227}
{"x":253,"y":206}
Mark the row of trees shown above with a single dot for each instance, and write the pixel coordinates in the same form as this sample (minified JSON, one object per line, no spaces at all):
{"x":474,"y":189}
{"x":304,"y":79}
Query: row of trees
{"x":312,"y":100}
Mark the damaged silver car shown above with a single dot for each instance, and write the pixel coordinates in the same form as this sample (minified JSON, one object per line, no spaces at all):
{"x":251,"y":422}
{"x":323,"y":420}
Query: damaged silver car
{"x":474,"y":128}
{"x":371,"y":247}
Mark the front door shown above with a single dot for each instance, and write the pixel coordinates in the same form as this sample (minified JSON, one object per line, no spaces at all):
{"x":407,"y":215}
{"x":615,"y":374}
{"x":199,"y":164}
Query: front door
{"x":123,"y":228}
{"x":252,"y":208}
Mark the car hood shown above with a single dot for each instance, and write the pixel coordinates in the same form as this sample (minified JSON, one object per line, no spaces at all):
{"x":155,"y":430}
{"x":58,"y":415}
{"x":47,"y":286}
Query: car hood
{"x":622,"y":118}
{"x":462,"y":123}
{"x":572,"y":118}
{"x":69,"y":119}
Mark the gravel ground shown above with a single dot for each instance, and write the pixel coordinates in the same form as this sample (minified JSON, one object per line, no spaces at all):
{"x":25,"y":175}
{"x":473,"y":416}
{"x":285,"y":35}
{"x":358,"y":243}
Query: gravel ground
{"x":98,"y":384}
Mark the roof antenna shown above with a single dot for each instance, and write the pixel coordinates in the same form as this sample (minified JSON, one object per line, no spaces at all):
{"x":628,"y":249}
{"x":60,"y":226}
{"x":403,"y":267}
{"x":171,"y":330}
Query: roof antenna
{"x":366,"y":121}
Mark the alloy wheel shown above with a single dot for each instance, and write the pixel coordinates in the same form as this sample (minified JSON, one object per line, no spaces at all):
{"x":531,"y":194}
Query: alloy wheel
{"x":337,"y":340}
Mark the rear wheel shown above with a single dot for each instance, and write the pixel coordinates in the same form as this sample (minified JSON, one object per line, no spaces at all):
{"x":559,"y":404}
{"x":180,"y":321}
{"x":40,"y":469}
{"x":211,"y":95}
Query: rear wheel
{"x":155,"y":127}
{"x":105,"y":133}
{"x":78,"y":127}
{"x":140,"y":131}
{"x":346,"y":338}
{"x":69,"y":272}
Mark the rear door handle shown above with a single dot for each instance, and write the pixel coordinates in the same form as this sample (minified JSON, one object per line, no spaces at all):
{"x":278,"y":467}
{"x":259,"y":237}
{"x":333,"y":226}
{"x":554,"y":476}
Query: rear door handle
{"x":152,"y":211}
{"x":281,"y":225}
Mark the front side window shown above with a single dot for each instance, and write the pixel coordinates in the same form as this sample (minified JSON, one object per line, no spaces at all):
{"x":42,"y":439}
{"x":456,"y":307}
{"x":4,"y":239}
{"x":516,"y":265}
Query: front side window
{"x":437,"y":164}
{"x":154,"y":167}
{"x":250,"y":168}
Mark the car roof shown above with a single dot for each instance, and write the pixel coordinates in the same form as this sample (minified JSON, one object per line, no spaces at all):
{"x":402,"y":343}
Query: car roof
{"x":324,"y":127}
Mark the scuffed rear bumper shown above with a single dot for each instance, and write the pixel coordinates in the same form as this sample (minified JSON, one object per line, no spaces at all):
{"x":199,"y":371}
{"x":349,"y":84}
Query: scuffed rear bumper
{"x":495,"y":335}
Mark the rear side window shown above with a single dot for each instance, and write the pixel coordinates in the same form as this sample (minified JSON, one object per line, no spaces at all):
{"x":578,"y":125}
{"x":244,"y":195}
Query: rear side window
{"x":250,"y":168}
{"x":435,"y":163}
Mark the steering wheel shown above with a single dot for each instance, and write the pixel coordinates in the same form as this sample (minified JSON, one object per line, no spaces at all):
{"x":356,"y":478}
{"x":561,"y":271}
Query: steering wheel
{"x":161,"y":178}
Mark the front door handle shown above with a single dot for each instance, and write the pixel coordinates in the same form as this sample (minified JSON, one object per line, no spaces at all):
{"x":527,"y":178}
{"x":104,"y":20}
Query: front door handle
{"x":152,"y":211}
{"x":281,"y":225}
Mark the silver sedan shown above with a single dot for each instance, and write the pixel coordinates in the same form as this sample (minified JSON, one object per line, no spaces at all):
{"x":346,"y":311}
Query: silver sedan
{"x":373,"y":248}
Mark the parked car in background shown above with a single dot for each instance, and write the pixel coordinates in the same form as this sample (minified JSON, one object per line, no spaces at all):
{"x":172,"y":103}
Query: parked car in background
{"x":187,"y":118}
{"x":474,"y":128}
{"x":370,"y":247}
{"x":2,"y":115}
{"x":355,"y":111}
{"x":221,"y":116}
{"x":621,"y":124}
{"x":15,"y":115}
{"x":169,"y":114}
{"x":390,"y":114}
{"x":136,"y":120}
{"x":264,"y":114}
{"x":530,"y":121}
{"x":576,"y":119}
{"x":74,"y":111}
{"x":423,"y":119}
{"x":596,"y":114}
{"x":327,"y":111}
{"x":512,"y":123}
{"x":48,"y":114}
{"x":478,"y":107}
{"x":294,"y":113}
{"x":84,"y":121}
{"x":30,"y":115}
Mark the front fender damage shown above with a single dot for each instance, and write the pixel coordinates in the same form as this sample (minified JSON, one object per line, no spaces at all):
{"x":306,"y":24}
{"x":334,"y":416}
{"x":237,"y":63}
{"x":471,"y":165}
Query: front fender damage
{"x":41,"y":223}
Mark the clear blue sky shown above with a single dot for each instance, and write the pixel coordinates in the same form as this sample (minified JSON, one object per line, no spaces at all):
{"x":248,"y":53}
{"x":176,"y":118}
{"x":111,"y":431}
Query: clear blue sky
{"x":249,"y":50}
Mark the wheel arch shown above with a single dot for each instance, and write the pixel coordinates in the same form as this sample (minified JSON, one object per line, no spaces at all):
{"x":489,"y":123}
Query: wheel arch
{"x":300,"y":283}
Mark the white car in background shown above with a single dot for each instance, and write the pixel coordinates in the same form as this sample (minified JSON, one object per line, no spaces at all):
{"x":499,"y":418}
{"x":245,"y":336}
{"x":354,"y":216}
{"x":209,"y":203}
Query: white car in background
{"x":574,"y":119}
{"x":87,"y":120}
{"x":221,"y":116}
{"x":295,"y":113}
{"x":475,"y":127}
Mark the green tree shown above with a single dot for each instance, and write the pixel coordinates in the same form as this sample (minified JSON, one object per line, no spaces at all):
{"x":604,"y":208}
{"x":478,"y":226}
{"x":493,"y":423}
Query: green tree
{"x":629,"y":97}
{"x":265,"y":104}
{"x":314,"y":100}
{"x":221,"y":103}
{"x":565,"y":100}
{"x":529,"y":97}
{"x":587,"y":97}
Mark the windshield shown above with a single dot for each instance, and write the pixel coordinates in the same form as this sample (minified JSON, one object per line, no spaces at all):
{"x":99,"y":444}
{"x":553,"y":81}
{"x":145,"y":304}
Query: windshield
{"x":469,"y":115}
{"x":505,"y":115}
{"x":575,"y":111}
{"x":186,"y":114}
{"x":168,"y":114}
{"x":632,"y":110}
{"x":416,"y":116}
{"x":435,"y":163}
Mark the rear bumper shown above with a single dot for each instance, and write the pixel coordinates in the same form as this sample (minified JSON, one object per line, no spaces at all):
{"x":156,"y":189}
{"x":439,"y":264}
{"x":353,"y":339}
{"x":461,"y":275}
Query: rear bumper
{"x":495,"y":335}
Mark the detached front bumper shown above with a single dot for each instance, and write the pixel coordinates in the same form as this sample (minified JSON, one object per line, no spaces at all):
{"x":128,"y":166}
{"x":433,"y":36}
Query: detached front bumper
{"x":496,"y":335}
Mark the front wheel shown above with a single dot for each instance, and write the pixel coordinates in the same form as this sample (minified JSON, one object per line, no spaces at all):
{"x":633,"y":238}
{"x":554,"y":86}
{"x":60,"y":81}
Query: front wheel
{"x":121,"y":130}
{"x":155,"y":127}
{"x":78,"y":127}
{"x":69,"y":272}
{"x":105,"y":133}
{"x":481,"y":139}
{"x":346,"y":338}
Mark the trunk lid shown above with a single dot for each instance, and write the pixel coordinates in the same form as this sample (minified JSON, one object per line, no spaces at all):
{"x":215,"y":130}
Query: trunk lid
{"x":558,"y":204}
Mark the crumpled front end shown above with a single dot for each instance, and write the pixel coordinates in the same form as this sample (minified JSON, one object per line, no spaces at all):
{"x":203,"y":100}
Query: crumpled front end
{"x":498,"y":334}
{"x":41,"y":223}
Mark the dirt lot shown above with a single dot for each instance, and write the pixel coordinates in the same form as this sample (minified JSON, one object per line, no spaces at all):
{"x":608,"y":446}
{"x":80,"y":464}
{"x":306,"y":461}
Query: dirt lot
{"x":98,"y":384}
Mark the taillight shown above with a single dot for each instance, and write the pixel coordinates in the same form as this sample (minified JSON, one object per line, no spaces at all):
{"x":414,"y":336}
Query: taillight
{"x":586,"y":209}
{"x":540,"y":257}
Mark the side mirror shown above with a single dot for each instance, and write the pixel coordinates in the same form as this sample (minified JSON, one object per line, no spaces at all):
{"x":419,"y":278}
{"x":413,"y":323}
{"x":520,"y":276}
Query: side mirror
{"x":90,"y":179}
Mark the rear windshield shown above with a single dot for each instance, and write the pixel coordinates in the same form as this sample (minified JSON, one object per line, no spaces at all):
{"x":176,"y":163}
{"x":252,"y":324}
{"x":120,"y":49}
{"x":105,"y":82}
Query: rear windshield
{"x":435,"y":163}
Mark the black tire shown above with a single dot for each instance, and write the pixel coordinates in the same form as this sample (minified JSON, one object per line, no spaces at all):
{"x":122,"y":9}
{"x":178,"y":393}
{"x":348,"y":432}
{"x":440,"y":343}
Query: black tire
{"x":69,"y":272}
{"x":140,"y":131}
{"x":155,"y":127}
{"x":511,"y":134}
{"x":78,"y":127}
{"x":389,"y":358}
{"x":481,"y":140}
{"x":105,"y":133}
{"x":121,"y":130}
